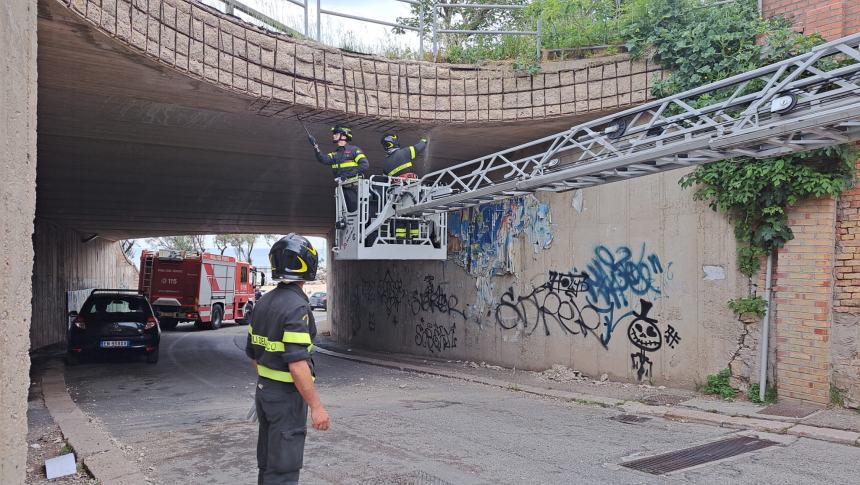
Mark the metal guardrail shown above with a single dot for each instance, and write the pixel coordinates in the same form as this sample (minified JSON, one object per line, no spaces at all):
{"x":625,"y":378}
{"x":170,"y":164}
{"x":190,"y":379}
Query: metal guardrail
{"x":232,"y":6}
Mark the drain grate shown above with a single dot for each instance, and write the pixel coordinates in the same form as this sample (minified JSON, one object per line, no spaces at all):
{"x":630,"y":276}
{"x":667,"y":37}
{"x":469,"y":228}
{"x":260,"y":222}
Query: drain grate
{"x":630,"y":418}
{"x":697,"y":455}
{"x":417,"y":477}
{"x":663,"y":399}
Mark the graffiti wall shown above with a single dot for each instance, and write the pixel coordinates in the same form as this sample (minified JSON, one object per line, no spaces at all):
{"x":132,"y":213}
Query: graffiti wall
{"x":628,"y":279}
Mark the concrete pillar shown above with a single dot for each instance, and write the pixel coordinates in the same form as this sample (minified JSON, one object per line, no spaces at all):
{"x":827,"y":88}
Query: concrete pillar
{"x":331,"y":290}
{"x":18,"y":195}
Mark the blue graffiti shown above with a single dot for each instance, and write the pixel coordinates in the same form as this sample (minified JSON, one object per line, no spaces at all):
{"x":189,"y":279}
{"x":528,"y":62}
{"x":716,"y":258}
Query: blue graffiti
{"x":594,"y":301}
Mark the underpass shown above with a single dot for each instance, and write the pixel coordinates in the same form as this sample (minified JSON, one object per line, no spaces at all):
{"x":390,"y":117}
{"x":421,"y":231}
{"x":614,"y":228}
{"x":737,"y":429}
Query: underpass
{"x":171,"y":118}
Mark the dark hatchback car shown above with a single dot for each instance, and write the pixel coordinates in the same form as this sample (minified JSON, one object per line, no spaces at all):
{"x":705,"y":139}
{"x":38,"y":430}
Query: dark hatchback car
{"x":113,"y":321}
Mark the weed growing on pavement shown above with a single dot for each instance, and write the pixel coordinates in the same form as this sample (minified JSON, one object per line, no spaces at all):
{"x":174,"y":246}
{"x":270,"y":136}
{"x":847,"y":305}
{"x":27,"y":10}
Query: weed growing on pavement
{"x":718,"y":384}
{"x":770,"y":394}
{"x":837,"y":396}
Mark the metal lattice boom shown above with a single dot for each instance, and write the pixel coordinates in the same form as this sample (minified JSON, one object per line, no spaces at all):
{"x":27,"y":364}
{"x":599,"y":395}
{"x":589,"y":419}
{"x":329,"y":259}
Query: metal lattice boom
{"x":806,"y":102}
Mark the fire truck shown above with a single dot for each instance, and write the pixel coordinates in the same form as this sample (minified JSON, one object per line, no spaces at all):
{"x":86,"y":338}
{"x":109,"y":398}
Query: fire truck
{"x":198,"y":287}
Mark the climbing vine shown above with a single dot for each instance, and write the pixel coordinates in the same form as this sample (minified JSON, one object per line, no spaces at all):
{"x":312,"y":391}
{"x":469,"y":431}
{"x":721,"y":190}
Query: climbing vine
{"x":700,"y":44}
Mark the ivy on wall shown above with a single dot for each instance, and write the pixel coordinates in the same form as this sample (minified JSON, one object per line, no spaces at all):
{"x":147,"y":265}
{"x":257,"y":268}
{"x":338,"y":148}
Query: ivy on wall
{"x":700,"y":44}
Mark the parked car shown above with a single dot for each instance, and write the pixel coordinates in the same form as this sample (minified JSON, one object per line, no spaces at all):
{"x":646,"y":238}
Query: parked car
{"x":113,"y":321}
{"x":318,"y":300}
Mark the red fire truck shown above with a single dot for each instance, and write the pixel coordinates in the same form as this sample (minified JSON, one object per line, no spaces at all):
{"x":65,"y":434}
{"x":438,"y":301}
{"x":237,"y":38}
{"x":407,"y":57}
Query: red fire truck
{"x":199,"y":287}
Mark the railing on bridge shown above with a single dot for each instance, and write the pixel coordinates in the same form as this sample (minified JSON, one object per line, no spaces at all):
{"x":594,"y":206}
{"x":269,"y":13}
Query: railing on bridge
{"x":236,"y":7}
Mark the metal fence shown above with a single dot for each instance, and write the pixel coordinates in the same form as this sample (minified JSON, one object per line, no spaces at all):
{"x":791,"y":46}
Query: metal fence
{"x":233,"y":6}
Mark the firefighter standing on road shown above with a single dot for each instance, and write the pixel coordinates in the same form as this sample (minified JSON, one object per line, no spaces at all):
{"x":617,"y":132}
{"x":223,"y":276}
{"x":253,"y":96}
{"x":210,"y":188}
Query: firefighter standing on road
{"x":348,"y":162}
{"x":279,"y":342}
{"x":400,"y":162}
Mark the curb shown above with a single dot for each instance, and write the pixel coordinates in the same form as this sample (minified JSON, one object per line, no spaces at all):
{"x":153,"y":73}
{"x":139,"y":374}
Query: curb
{"x":776,"y":426}
{"x":92,"y":444}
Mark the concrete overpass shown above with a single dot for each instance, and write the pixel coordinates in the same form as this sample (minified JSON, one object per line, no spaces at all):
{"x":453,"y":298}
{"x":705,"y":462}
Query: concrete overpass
{"x":179,"y":119}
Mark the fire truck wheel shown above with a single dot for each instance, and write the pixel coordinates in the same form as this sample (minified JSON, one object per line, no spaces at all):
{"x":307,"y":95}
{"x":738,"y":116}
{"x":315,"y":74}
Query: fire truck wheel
{"x":217,"y":317}
{"x":169,"y":323}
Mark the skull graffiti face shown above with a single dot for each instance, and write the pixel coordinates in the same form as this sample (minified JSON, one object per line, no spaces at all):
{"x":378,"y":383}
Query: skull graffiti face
{"x":645,"y":335}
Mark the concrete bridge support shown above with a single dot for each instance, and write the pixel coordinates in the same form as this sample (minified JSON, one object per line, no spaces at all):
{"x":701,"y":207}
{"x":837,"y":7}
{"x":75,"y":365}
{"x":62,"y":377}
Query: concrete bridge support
{"x":18,"y":195}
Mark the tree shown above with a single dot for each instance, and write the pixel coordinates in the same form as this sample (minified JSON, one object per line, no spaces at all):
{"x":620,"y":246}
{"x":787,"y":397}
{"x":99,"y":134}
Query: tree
{"x":198,"y":242}
{"x":127,"y":246}
{"x":173,"y":243}
{"x":454,"y":18}
{"x":222,"y":242}
{"x":243,"y":244}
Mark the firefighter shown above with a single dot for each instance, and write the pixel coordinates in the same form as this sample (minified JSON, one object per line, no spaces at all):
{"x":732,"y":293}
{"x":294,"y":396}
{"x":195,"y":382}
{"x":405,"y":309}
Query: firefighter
{"x":279,"y":342}
{"x":347,"y":162}
{"x":400,"y":162}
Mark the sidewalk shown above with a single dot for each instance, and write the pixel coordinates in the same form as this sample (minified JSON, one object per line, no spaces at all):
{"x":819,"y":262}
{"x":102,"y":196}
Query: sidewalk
{"x":834,"y":425}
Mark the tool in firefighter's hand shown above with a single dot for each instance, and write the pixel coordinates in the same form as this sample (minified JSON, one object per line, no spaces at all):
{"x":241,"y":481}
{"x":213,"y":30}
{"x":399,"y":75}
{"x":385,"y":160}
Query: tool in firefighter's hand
{"x":311,"y":138}
{"x":252,"y":414}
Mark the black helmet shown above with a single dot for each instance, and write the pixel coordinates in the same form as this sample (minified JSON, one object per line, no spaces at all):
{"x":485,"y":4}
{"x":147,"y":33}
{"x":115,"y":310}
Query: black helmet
{"x":389,"y":141}
{"x":347,"y":132}
{"x":293,"y":258}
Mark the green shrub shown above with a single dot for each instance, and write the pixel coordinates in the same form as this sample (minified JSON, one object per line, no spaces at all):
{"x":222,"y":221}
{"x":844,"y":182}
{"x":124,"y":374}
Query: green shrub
{"x":718,"y":384}
{"x":769,"y":394}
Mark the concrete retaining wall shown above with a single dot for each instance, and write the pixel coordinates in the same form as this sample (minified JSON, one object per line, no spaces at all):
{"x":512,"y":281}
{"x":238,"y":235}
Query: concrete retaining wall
{"x":18,"y":175}
{"x":629,"y":279}
{"x":286,"y":76}
{"x":64,"y":263}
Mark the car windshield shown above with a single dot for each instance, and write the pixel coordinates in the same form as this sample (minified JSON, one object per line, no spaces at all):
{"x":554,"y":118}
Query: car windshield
{"x":107,"y":304}
{"x":319,"y":294}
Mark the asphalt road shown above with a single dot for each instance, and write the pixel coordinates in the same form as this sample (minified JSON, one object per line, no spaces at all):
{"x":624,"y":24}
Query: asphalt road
{"x":183,"y":421}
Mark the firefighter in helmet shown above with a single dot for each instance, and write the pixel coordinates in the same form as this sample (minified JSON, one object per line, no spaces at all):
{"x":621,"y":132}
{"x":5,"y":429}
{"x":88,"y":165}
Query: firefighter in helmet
{"x":279,"y":341}
{"x":347,"y":162}
{"x":400,"y":162}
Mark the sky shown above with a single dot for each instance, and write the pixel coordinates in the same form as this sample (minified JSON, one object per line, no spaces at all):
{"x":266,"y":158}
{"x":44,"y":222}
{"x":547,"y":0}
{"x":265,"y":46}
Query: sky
{"x":334,"y":29}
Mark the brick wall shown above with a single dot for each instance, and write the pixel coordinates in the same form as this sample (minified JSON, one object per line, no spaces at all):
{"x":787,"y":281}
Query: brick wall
{"x":830,"y":18}
{"x":803,"y":295}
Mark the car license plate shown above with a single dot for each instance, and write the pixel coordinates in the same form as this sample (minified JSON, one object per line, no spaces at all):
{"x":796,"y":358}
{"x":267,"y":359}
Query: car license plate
{"x":111,"y":344}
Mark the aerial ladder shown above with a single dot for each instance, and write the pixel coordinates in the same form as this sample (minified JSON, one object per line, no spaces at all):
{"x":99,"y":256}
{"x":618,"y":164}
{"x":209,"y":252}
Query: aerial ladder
{"x":806,"y":102}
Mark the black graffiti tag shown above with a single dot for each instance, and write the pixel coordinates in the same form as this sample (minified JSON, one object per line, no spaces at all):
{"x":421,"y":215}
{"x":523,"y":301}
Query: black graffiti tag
{"x":553,"y":302}
{"x":434,"y":337}
{"x":433,"y":298}
{"x":645,"y":335}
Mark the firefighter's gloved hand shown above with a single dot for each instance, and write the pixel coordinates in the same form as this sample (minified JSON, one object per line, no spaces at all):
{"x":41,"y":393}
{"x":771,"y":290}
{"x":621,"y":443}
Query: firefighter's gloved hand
{"x":313,"y":142}
{"x":424,"y":139}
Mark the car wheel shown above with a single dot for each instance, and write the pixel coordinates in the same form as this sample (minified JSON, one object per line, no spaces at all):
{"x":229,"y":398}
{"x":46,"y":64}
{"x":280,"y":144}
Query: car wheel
{"x":152,"y":357}
{"x":217,"y":318}
{"x":168,"y":323}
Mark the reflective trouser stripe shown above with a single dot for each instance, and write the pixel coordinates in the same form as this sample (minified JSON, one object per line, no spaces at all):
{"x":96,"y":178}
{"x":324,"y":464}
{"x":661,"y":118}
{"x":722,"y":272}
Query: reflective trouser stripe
{"x":400,"y":232}
{"x":414,"y":232}
{"x":400,"y":169}
{"x":349,"y":164}
{"x":412,"y":152}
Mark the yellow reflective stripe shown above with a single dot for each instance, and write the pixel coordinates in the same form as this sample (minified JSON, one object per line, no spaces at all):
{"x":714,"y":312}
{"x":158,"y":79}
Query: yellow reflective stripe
{"x":275,"y":375}
{"x":400,"y":168}
{"x":360,"y":156}
{"x":267,"y":344}
{"x":296,"y":338}
{"x":344,"y":164}
{"x":412,"y":152}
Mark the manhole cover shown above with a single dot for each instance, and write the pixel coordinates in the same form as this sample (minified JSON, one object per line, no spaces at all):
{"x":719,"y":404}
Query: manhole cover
{"x":790,"y":409}
{"x":629,"y":418}
{"x":663,"y":399}
{"x":697,"y":455}
{"x":417,"y":477}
